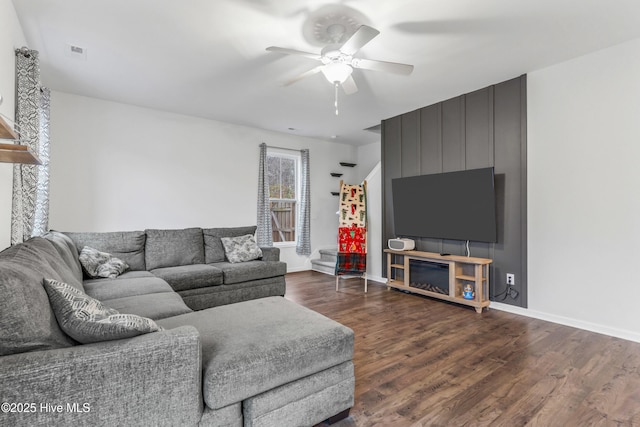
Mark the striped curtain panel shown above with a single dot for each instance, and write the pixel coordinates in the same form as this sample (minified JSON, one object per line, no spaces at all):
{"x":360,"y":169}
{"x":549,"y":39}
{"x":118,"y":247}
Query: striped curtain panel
{"x":303,"y":243}
{"x":264,"y":232}
{"x":30,"y":202}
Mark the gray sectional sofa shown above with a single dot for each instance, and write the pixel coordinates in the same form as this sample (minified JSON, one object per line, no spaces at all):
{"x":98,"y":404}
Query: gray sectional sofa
{"x":193,"y":262}
{"x":249,"y":359}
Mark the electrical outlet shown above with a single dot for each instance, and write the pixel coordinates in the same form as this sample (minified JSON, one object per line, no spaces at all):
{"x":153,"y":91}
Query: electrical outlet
{"x":511,"y":279}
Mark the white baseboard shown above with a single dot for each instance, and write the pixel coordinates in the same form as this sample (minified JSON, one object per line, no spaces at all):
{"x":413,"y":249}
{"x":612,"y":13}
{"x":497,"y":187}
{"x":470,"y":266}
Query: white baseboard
{"x":587,"y":326}
{"x":381,"y":280}
{"x":298,"y":269}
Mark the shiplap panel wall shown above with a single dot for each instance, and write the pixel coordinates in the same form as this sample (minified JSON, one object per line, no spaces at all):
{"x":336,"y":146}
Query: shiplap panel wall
{"x":479,"y":129}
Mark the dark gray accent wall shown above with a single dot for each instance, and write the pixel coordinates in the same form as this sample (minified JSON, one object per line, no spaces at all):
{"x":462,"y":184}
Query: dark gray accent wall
{"x":476,"y":130}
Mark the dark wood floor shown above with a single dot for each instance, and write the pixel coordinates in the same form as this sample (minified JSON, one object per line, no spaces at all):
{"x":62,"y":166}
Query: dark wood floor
{"x":425,"y":362}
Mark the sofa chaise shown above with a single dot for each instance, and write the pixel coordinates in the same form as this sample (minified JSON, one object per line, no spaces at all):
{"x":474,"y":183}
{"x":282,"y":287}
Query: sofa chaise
{"x":264,"y":361}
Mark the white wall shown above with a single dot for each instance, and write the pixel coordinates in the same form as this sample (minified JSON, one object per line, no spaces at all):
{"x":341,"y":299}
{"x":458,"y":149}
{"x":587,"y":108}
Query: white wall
{"x":11,"y":37}
{"x":374,"y":226}
{"x":120,"y":167}
{"x":584,"y":191}
{"x":369,"y":168}
{"x":368,"y":157}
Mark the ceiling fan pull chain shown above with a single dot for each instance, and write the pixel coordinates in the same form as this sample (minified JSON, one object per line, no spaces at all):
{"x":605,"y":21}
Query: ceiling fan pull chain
{"x":336,"y":91}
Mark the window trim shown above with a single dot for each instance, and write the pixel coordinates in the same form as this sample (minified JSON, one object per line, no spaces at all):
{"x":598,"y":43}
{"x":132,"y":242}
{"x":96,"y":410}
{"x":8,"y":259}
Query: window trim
{"x":297,"y":157}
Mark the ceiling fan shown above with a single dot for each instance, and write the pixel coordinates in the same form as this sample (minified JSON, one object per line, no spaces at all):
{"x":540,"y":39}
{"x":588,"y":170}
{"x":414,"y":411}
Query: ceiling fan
{"x":338,"y":60}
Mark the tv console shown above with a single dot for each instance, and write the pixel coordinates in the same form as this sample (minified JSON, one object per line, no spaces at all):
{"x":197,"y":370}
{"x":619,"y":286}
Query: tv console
{"x":463,"y":271}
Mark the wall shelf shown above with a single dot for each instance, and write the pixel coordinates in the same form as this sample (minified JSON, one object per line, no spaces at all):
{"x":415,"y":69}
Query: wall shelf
{"x":5,"y":130}
{"x":14,"y":153}
{"x":346,"y":164}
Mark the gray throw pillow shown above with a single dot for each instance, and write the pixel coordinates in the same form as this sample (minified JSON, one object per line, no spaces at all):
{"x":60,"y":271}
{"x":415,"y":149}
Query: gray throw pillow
{"x":241,"y":248}
{"x":213,"y":249}
{"x":87,"y":320}
{"x":101,"y":264}
{"x":126,"y":245}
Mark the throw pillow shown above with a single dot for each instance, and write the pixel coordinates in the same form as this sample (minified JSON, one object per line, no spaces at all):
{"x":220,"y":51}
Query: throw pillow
{"x":126,"y":245}
{"x":213,"y":249}
{"x":101,"y":264}
{"x":241,"y":248}
{"x":87,"y":320}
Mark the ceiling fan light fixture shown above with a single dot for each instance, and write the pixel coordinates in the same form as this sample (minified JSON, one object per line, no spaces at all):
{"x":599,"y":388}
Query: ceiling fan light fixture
{"x":337,"y":72}
{"x":338,"y":58}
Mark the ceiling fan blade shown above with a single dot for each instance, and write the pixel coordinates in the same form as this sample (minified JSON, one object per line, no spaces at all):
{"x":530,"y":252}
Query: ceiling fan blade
{"x":349,"y":86}
{"x":362,"y":36}
{"x":294,"y":52}
{"x":390,"y":67}
{"x":303,"y":75}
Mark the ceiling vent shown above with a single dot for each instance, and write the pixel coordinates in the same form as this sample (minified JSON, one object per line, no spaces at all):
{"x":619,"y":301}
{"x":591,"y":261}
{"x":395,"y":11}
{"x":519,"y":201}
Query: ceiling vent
{"x":75,"y":51}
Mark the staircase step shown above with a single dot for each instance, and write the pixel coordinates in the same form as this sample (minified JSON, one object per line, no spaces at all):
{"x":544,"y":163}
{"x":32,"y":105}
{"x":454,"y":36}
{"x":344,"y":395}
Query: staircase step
{"x":322,"y":266}
{"x":328,"y":251}
{"x":329,"y":255}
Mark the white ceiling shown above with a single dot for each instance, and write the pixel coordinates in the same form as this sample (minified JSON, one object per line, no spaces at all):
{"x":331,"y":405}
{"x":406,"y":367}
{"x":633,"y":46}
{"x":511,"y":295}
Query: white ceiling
{"x":207,"y":58}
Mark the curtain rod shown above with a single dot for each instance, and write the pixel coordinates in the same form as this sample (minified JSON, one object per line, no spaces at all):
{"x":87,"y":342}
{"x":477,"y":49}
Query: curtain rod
{"x":288,"y":149}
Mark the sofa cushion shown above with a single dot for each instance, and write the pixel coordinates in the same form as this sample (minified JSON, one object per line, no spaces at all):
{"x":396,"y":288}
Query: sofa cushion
{"x":127,"y":284}
{"x":87,"y":320}
{"x":126,"y":245}
{"x":213,"y":249}
{"x":202,"y":298}
{"x":101,"y":264}
{"x":186,"y":277}
{"x":305,"y":401}
{"x":250,"y":270}
{"x":228,"y":416}
{"x":26,"y":320}
{"x":69,"y":253}
{"x":169,"y":248}
{"x":154,"y":306}
{"x":253,"y":346}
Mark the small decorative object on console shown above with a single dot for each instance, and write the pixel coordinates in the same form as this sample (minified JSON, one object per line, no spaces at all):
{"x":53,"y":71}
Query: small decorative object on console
{"x":468,"y":293}
{"x":401,"y":244}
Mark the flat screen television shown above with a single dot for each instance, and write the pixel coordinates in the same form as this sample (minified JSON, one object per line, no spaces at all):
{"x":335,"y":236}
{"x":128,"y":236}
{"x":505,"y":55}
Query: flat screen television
{"x":452,"y":205}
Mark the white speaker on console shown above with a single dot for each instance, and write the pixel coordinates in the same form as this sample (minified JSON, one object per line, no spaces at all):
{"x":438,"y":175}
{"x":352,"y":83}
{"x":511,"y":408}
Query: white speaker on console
{"x":401,"y":244}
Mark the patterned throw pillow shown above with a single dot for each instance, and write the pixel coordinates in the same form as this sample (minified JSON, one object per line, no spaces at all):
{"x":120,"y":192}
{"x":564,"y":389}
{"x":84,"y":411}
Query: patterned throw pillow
{"x":241,"y":248}
{"x":87,"y":320}
{"x":101,"y":264}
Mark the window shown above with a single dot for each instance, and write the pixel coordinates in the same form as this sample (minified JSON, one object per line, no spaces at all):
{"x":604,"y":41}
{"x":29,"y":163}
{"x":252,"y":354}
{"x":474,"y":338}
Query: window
{"x":283,"y":172}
